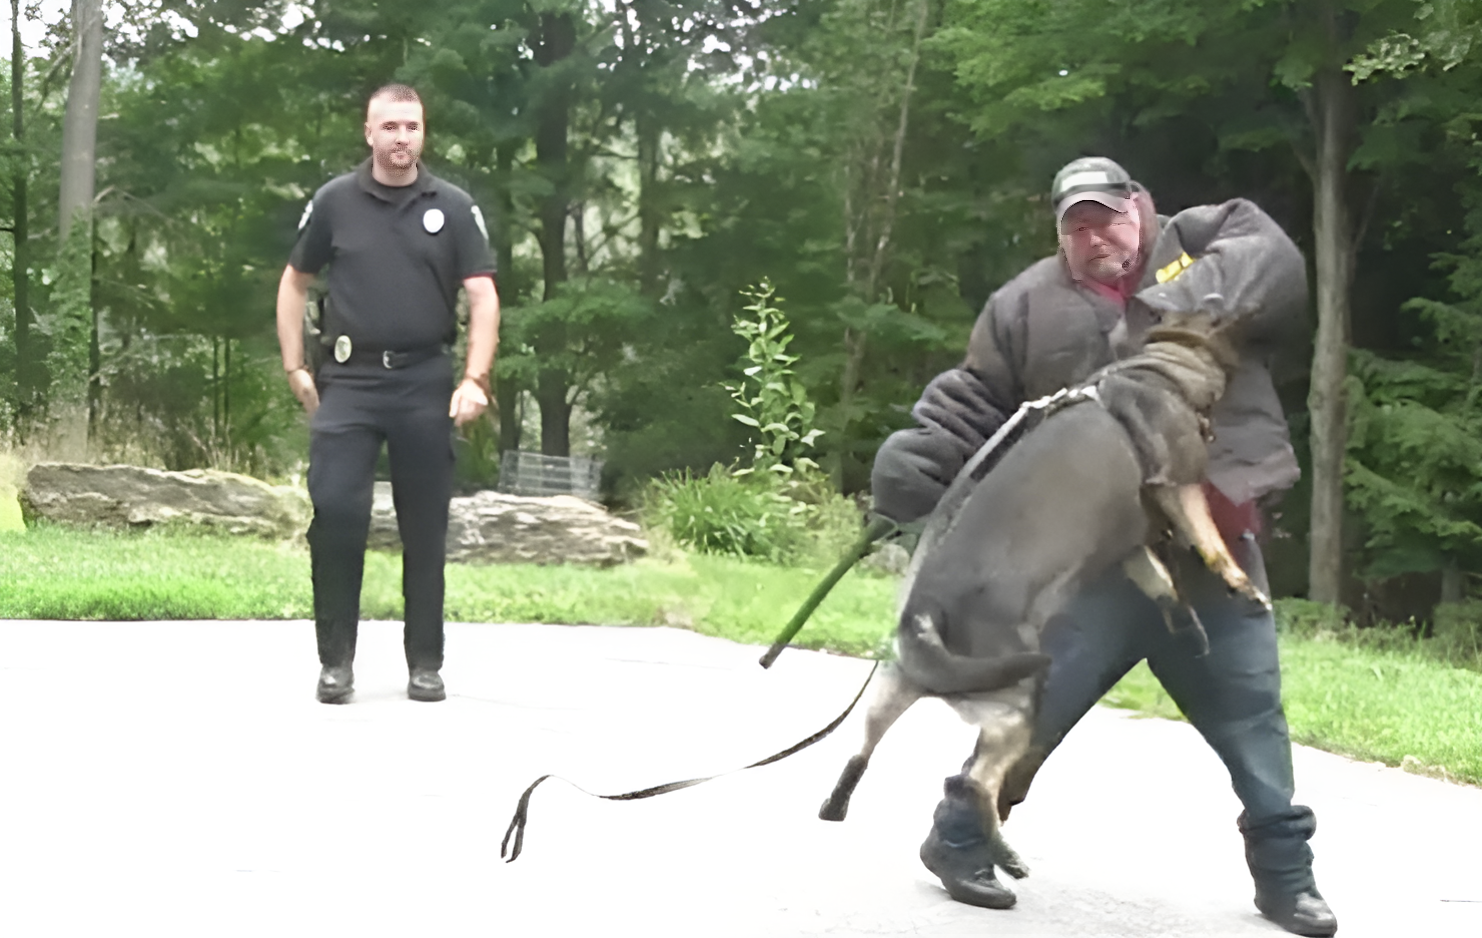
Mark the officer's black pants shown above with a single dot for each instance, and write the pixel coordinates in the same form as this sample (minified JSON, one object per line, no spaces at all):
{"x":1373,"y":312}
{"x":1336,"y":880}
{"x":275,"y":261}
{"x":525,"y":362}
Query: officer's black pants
{"x":1232,"y":696}
{"x":360,"y":407}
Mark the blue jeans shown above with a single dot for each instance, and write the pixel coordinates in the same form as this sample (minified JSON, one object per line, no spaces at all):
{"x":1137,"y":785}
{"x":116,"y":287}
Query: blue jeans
{"x":1232,"y":696}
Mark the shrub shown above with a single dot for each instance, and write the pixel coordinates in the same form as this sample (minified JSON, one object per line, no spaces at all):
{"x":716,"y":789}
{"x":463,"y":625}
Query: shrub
{"x":1304,"y":618}
{"x":720,"y":513}
{"x":1457,"y":632}
{"x":797,"y":520}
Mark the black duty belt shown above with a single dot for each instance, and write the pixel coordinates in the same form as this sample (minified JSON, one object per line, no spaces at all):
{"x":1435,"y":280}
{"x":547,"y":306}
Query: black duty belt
{"x":344,"y":352}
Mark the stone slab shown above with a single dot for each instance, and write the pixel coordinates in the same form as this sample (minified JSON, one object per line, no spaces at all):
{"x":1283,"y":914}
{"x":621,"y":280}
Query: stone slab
{"x":178,"y":778}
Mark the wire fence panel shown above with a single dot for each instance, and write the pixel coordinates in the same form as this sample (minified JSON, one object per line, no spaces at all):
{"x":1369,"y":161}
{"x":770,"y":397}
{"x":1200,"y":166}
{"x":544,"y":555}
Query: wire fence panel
{"x":524,"y":473}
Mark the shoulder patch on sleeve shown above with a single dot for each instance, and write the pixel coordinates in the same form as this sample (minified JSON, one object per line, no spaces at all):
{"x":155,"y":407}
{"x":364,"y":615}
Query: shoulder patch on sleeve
{"x":1174,"y":269}
{"x":478,"y":219}
{"x":304,"y":219}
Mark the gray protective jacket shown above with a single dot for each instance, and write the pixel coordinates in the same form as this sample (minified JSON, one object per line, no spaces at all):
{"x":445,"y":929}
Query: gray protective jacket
{"x":1042,"y":332}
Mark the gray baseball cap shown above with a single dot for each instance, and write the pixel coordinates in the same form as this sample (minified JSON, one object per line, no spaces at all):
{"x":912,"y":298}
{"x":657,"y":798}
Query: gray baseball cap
{"x":1091,"y":179}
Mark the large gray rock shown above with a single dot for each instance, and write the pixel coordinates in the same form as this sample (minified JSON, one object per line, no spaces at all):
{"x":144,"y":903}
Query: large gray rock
{"x":491,"y":527}
{"x":132,"y":497}
{"x":488,"y":527}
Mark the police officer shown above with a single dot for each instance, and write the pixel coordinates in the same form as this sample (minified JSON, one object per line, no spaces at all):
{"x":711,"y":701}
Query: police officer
{"x":398,"y":242}
{"x":1119,"y":265}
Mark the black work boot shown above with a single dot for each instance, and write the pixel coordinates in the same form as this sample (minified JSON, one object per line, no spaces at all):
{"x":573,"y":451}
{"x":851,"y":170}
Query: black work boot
{"x":966,"y":872}
{"x":958,"y":854}
{"x":425,"y":684}
{"x":1306,"y":913}
{"x":336,"y":684}
{"x":1281,"y":865}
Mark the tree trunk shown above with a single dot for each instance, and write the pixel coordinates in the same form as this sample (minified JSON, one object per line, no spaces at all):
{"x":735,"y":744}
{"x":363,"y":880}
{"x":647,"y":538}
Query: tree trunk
{"x":73,"y":293}
{"x":80,"y":125}
{"x":1333,"y":236}
{"x":226,"y":395}
{"x":21,"y":276}
{"x":649,"y":215}
{"x":555,"y":413}
{"x":877,"y":243}
{"x":94,"y":368}
{"x":1453,"y":583}
{"x":507,"y":390}
{"x":558,"y":40}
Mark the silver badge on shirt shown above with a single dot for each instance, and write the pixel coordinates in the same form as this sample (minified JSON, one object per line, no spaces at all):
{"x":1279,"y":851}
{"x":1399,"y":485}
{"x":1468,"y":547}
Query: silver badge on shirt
{"x":433,"y":220}
{"x":342,"y":349}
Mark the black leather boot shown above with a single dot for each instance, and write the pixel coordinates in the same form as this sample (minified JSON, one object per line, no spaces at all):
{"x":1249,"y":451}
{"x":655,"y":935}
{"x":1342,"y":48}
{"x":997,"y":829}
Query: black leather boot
{"x":425,"y":684}
{"x":966,"y":872}
{"x":1306,"y":913}
{"x":336,"y":684}
{"x":1281,"y":864}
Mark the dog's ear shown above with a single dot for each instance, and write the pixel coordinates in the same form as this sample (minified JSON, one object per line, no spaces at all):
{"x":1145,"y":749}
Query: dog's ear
{"x":1230,"y":326}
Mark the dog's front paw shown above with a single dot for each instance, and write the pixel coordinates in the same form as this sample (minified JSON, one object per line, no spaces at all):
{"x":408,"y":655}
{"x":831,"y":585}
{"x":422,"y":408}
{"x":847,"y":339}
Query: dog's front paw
{"x":1255,"y":601}
{"x":1007,"y":858}
{"x":1014,"y":866}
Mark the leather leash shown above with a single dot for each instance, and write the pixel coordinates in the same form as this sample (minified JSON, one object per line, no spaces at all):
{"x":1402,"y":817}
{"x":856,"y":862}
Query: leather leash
{"x":518,"y":823}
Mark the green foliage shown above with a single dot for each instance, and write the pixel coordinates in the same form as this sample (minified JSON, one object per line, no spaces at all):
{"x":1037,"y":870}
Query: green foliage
{"x":70,"y":323}
{"x":800,"y":520}
{"x":1443,"y":32}
{"x":602,"y":319}
{"x":1415,"y":427}
{"x":722,"y":513}
{"x":773,"y":402}
{"x":1305,"y":618}
{"x":1455,"y":637}
{"x":689,"y":147}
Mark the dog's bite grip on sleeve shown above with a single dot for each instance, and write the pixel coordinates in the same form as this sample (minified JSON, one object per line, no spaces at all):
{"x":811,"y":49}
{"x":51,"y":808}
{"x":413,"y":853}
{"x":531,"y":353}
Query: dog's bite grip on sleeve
{"x":879,"y":528}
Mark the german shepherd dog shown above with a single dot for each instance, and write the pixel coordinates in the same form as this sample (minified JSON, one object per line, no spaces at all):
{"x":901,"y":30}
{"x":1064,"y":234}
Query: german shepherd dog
{"x":1113,"y":476}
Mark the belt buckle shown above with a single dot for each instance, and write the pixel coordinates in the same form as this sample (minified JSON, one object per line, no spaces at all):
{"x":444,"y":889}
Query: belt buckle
{"x":386,"y":359}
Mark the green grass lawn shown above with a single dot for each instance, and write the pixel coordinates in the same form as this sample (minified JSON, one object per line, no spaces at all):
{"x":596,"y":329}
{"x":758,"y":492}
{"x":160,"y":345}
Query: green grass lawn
{"x":54,"y":573}
{"x":1397,"y":706}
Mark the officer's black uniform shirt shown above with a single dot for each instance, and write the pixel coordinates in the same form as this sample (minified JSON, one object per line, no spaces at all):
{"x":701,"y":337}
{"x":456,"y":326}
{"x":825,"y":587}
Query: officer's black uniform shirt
{"x":396,"y":254}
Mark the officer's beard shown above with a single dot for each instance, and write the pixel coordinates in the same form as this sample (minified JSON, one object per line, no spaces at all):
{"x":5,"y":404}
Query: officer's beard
{"x":405,"y":167}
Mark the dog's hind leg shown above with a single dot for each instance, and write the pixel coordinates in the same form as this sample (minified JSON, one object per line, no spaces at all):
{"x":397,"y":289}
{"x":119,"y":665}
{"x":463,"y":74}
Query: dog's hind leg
{"x":893,"y":695}
{"x":1149,"y":574}
{"x":1187,"y":509}
{"x":1003,"y":737}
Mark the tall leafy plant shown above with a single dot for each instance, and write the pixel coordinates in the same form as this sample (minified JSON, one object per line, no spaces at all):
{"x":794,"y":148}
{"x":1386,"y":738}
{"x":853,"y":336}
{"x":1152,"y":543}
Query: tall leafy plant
{"x":772,"y":401}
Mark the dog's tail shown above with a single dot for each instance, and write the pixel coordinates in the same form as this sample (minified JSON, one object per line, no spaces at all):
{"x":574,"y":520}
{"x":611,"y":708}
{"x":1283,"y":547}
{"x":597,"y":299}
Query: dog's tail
{"x":926,"y":660}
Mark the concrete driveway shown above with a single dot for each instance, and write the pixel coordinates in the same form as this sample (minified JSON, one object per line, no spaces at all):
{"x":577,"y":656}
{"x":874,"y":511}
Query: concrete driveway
{"x":178,"y":778}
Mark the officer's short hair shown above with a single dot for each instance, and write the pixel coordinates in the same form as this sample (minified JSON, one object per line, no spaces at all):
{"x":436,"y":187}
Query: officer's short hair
{"x":396,"y":92}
